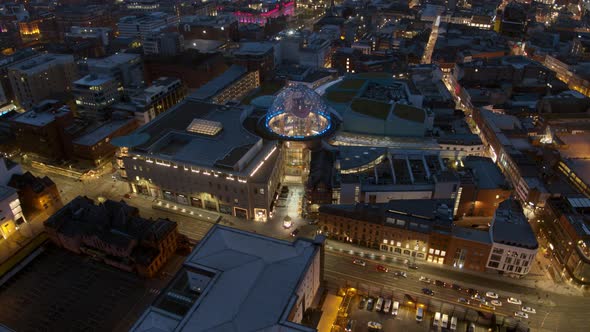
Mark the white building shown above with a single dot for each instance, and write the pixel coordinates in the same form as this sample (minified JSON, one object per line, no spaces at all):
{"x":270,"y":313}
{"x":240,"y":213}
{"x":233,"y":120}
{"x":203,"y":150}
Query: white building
{"x":95,"y":93}
{"x":142,"y":26}
{"x":514,"y":244}
{"x":11,"y":213}
{"x":239,"y":281}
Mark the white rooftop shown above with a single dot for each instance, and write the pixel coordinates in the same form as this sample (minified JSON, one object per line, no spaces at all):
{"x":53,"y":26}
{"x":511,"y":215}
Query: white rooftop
{"x":253,"y":286}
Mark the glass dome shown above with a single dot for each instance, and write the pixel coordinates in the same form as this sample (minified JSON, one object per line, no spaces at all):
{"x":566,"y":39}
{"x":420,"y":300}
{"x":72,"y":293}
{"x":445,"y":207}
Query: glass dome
{"x":298,"y":112}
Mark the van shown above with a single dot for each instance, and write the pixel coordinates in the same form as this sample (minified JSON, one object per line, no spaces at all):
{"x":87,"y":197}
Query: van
{"x":437,"y":319}
{"x":453,"y":323}
{"x":387,"y":305}
{"x":445,"y":321}
{"x":419,"y":314}
{"x":379,"y":304}
{"x":395,"y":308}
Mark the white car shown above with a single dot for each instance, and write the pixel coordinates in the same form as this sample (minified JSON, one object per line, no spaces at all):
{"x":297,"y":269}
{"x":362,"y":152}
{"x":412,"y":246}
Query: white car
{"x":492,"y":295}
{"x":496,"y":303}
{"x":359,"y":262}
{"x":521,"y":314}
{"x":529,"y":310}
{"x":514,"y":300}
{"x":400,"y":274}
{"x":424,"y":279}
{"x":375,"y":325}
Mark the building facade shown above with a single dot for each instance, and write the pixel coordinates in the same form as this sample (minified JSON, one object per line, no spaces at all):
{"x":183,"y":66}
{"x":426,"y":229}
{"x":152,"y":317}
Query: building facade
{"x":114,"y":233}
{"x":38,"y":78}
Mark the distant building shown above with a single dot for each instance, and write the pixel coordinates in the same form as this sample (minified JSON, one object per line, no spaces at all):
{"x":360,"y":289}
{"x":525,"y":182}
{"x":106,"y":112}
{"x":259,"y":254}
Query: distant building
{"x":114,"y":233}
{"x":127,"y":68}
{"x":36,"y":194}
{"x":154,"y":100}
{"x":96,"y":39}
{"x":7,"y":95}
{"x":257,"y":56}
{"x":234,"y":84}
{"x":304,"y":49}
{"x":96,"y":93}
{"x":514,"y":244}
{"x":163,"y":43}
{"x":86,"y":15}
{"x":222,"y":27}
{"x":144,"y":25}
{"x":42,"y":130}
{"x":142,"y":6}
{"x":38,"y":29}
{"x":194,"y":69}
{"x":39,"y":77}
{"x":220,"y":295}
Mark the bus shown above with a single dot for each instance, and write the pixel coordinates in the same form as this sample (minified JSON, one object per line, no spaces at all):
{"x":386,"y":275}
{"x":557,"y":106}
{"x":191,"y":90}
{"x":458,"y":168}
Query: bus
{"x":379,"y":304}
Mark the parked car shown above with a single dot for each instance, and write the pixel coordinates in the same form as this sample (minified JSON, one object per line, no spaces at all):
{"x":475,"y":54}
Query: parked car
{"x":359,"y":262}
{"x":395,"y":308}
{"x":514,"y":300}
{"x":363,"y":303}
{"x":428,"y":291}
{"x":521,"y":314}
{"x":457,"y":287}
{"x":295,"y":232}
{"x":374,"y":326}
{"x":370,"y":304}
{"x":350,"y":325}
{"x":529,"y":310}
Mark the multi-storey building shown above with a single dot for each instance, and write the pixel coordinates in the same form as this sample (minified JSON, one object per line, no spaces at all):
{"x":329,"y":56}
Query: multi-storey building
{"x":163,"y":43}
{"x":233,"y":84}
{"x":68,"y":16}
{"x":514,"y":244}
{"x":113,"y":232}
{"x":419,"y":230}
{"x":199,"y":154}
{"x":95,"y":93}
{"x":38,"y":78}
{"x":257,"y":56}
{"x":223,"y":28}
{"x":154,"y":100}
{"x":42,"y":130}
{"x":38,"y":195}
{"x":6,"y":92}
{"x":144,"y":25}
{"x":11,"y":213}
{"x":127,"y":68}
{"x":287,"y":274}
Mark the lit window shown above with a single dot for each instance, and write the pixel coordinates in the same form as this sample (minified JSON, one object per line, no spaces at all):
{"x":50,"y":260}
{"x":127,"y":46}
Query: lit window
{"x":431,"y":251}
{"x":384,"y":241}
{"x":437,"y":252}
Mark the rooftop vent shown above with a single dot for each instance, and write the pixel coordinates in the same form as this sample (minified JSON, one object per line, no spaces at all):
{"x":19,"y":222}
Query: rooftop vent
{"x":205,"y":127}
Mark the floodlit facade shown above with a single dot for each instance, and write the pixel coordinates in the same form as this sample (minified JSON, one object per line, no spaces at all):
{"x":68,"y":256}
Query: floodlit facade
{"x":298,"y":113}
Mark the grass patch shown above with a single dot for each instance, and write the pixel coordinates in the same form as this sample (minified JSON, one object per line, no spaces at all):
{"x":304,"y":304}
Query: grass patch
{"x":22,"y":253}
{"x":409,"y":113}
{"x":372,"y":108}
{"x":339,"y":96}
{"x":351,"y":84}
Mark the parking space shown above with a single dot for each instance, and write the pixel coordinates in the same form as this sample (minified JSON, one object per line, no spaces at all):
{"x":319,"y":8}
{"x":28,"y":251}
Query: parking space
{"x":405,"y":319}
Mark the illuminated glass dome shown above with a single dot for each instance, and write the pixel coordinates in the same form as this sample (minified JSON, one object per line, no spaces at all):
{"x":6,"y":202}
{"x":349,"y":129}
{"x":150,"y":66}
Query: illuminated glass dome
{"x":298,"y":112}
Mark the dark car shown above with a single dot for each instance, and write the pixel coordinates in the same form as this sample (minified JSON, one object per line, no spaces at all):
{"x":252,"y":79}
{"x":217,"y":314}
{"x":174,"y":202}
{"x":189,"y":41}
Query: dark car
{"x":413,"y":266}
{"x":428,"y":291}
{"x":440,"y":283}
{"x":457,"y":287}
{"x":370,"y":304}
{"x":471,"y":291}
{"x":362,"y":303}
{"x":295,"y":232}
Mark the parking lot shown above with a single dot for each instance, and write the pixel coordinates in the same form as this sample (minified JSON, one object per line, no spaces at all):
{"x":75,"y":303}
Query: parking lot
{"x":404,"y":321}
{"x":62,"y":291}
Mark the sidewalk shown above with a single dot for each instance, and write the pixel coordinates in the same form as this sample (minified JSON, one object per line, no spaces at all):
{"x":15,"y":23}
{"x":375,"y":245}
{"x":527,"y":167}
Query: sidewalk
{"x":531,"y":281}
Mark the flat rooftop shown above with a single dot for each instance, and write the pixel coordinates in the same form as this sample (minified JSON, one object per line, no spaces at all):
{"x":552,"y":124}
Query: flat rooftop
{"x":40,"y":118}
{"x":93,"y":137}
{"x":486,"y":172}
{"x":233,"y":281}
{"x":170,"y":138}
{"x":511,"y":227}
{"x":216,"y":85}
{"x":93,"y":80}
{"x":41,"y":62}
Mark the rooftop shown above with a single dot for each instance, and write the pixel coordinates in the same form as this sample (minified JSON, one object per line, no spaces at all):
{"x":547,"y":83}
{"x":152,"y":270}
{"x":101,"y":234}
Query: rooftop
{"x":41,"y":62}
{"x":169,"y":138}
{"x":216,"y":85}
{"x":93,"y":80}
{"x":486,"y":172}
{"x":511,"y":227}
{"x":471,"y":234}
{"x":234,"y":281}
{"x":254,"y":48}
{"x":42,"y":115}
{"x":93,"y":137}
